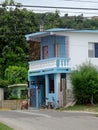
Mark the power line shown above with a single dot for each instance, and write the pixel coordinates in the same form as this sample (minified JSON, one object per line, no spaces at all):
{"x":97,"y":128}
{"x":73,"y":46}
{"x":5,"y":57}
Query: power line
{"x":54,"y":7}
{"x":61,"y":9}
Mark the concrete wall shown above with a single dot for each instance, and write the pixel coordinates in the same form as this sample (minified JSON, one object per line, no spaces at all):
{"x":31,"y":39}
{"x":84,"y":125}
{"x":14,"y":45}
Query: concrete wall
{"x":11,"y":104}
{"x":69,"y":90}
{"x":79,"y":48}
{"x":1,"y":94}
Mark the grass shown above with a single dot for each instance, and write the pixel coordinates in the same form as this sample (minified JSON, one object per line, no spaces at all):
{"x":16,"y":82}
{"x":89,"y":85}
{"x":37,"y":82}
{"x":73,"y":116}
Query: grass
{"x":4,"y":127}
{"x":88,"y":108}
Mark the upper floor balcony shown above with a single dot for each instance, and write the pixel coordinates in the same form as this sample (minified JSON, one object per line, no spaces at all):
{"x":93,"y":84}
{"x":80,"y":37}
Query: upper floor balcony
{"x":48,"y":66}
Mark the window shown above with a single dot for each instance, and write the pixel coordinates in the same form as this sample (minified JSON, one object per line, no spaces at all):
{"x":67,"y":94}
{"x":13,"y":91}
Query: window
{"x":96,"y":49}
{"x":24,"y":93}
{"x":93,"y":50}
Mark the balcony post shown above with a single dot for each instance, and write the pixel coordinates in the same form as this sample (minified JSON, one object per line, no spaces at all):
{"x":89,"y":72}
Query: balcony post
{"x":47,"y":87}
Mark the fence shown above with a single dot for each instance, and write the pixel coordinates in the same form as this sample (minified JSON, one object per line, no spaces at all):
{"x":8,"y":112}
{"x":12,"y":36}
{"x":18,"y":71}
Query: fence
{"x":11,"y":104}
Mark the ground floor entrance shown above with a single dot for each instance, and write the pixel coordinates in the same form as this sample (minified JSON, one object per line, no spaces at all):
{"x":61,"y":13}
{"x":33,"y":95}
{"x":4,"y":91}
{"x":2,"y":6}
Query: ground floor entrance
{"x":49,"y":89}
{"x":37,"y":91}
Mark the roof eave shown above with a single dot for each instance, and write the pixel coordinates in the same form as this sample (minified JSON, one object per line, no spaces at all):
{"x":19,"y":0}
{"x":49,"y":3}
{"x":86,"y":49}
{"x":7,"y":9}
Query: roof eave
{"x":36,"y":35}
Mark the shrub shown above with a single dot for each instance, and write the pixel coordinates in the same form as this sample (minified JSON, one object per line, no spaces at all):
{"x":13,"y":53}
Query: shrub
{"x":13,"y":97}
{"x":85,"y":84}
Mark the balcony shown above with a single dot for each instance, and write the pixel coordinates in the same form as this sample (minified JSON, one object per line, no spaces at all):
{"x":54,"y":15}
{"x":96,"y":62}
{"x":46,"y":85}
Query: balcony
{"x":52,"y":65}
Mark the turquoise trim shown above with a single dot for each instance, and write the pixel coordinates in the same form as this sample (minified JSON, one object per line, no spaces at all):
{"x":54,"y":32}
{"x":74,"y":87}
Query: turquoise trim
{"x":37,"y":99}
{"x":85,"y":31}
{"x":50,"y":71}
{"x":38,"y":34}
{"x":47,"y":87}
{"x":58,"y":69}
{"x":50,"y":41}
{"x":46,"y":60}
{"x":55,"y":96}
{"x":50,"y":97}
{"x":54,"y":30}
{"x":59,"y":29}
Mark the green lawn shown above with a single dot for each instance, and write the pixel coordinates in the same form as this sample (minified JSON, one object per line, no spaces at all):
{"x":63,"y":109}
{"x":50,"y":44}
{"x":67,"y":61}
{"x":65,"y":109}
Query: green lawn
{"x":89,"y":108}
{"x":4,"y":127}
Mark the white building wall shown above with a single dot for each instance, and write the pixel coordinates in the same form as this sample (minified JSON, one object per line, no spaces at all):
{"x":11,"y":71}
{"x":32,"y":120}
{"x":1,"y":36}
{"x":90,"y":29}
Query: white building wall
{"x":69,"y":90}
{"x":78,"y":52}
{"x":68,"y":82}
{"x":78,"y":47}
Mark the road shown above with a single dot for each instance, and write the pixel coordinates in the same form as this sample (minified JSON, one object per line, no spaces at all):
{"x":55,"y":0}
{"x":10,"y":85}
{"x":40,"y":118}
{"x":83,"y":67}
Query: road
{"x":48,"y":120}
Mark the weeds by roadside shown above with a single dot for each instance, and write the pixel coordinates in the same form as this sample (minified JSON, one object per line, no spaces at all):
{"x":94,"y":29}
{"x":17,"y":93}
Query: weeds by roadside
{"x":4,"y":127}
{"x":88,"y":108}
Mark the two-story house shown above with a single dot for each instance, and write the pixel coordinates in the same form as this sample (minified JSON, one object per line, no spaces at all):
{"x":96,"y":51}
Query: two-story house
{"x":61,"y":51}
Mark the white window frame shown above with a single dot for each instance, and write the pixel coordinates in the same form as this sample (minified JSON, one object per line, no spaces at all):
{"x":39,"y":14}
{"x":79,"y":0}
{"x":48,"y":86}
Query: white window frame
{"x":91,"y":50}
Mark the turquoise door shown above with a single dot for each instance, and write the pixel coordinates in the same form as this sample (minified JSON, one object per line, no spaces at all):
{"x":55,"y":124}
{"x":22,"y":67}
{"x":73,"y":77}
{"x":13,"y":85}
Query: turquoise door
{"x":40,"y":96}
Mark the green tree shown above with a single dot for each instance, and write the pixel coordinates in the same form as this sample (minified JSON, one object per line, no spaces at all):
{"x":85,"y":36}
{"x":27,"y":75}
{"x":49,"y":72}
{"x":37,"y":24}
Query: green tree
{"x":13,"y":47}
{"x":51,"y":20}
{"x":15,"y":74}
{"x":85,"y":83}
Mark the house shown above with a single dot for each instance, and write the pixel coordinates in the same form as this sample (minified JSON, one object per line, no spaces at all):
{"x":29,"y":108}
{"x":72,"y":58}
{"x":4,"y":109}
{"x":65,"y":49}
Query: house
{"x":61,"y":51}
{"x":18,"y":91}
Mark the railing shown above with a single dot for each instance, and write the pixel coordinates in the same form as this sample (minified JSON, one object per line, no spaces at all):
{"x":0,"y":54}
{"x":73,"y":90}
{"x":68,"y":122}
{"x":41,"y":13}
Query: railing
{"x":49,"y":64}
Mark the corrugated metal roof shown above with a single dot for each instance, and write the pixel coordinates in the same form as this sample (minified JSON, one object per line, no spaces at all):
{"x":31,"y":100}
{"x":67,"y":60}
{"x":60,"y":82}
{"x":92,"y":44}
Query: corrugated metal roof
{"x":37,"y":34}
{"x":86,"y":31}
{"x":51,"y":31}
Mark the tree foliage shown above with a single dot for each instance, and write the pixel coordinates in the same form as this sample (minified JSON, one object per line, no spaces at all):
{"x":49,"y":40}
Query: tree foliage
{"x":13,"y":46}
{"x":85,"y":83}
{"x":15,"y":22}
{"x":15,"y":74}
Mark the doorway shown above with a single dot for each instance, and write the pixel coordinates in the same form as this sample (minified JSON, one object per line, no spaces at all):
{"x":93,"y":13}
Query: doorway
{"x":45,"y":52}
{"x":41,"y":90}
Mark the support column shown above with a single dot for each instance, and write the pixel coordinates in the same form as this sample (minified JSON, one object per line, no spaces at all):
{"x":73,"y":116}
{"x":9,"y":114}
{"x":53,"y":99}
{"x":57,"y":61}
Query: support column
{"x":64,"y":91}
{"x":57,"y":89}
{"x":46,"y":87}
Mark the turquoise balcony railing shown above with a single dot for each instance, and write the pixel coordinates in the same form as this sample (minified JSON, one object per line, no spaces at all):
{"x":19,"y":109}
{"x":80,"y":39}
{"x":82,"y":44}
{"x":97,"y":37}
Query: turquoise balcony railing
{"x":53,"y":64}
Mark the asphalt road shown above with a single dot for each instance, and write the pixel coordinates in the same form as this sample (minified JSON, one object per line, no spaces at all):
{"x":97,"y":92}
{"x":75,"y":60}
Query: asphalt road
{"x":49,"y":120}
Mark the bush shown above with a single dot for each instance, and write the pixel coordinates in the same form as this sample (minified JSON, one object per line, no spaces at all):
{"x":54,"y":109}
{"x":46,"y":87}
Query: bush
{"x":13,"y":97}
{"x":85,"y":84}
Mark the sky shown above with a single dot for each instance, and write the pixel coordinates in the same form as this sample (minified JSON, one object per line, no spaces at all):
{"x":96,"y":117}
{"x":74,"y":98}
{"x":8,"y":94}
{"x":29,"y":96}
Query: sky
{"x":63,"y":3}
